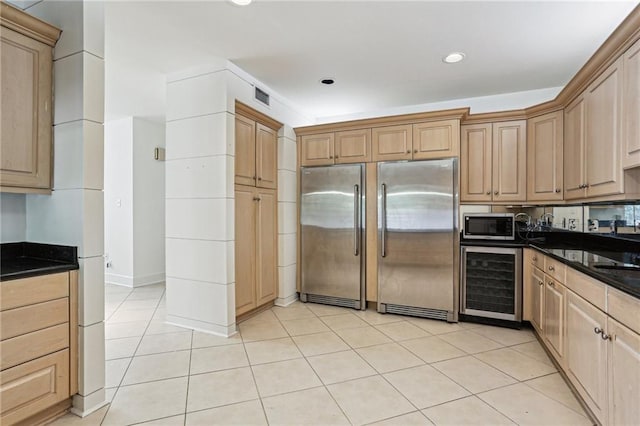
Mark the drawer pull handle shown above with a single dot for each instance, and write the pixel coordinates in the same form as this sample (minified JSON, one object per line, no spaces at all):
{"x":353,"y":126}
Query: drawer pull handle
{"x":551,"y":268}
{"x":597,"y":330}
{"x":551,"y":284}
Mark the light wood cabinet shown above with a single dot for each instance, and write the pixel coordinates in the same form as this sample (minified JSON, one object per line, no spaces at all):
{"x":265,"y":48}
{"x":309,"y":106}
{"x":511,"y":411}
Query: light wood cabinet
{"x":544,"y":157}
{"x":392,"y":143}
{"x":586,"y":352}
{"x":39,"y":345}
{"x":26,"y":108}
{"x":436,"y":139}
{"x":624,"y":374}
{"x":256,"y":236}
{"x":493,"y":162}
{"x":631,"y":107}
{"x":537,"y":299}
{"x":352,"y":146}
{"x":554,"y":294}
{"x":256,"y":153}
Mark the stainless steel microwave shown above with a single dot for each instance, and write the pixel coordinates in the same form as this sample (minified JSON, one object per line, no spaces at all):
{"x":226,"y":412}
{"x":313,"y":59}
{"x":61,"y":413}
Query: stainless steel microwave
{"x":488,"y":226}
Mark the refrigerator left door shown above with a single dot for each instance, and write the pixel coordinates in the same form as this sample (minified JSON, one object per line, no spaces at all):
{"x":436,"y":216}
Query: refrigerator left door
{"x":331,"y":223}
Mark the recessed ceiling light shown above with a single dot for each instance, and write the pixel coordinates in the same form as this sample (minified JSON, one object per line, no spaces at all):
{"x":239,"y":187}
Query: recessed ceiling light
{"x":241,"y":2}
{"x":327,"y":81}
{"x":453,"y":57}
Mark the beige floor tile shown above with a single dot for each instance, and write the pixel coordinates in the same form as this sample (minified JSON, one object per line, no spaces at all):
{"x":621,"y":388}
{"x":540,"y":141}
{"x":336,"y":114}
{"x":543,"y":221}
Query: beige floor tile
{"x":425,"y":386}
{"x":402,"y":330}
{"x":248,"y":413}
{"x":261,"y":318}
{"x":469,"y":325}
{"x":432,"y":349}
{"x":217,"y":358}
{"x":167,"y":421}
{"x":121,"y":348}
{"x":361,"y":337}
{"x":340,"y":367}
{"x":389,"y":357}
{"x":343,"y":321}
{"x":129,"y":305}
{"x":253,"y":332}
{"x":161,"y":314}
{"x":205,"y":340}
{"x":306,"y":407}
{"x":147,"y":401}
{"x":298,"y":327}
{"x":466,"y":411}
{"x":272,"y":350}
{"x":373,"y":317}
{"x":168,"y":342}
{"x":93,"y":419}
{"x":526,"y":406}
{"x":321,"y":343}
{"x":506,"y":336}
{"x":109,"y":394}
{"x":473,"y":375}
{"x":555,"y":387}
{"x":369,"y":399}
{"x":515,"y":364}
{"x":144,"y":295}
{"x":292,"y":312}
{"x":284,"y":376}
{"x":161,"y":327}
{"x":220,"y":388}
{"x":324,"y":310}
{"x":412,"y":419}
{"x":470,"y":342}
{"x":436,"y":326}
{"x":157,"y":367}
{"x":124,"y":329}
{"x":114,"y":371}
{"x":533,"y":350}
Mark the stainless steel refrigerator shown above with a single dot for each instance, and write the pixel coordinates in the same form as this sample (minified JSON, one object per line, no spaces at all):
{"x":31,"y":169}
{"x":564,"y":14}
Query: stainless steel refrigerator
{"x":331,"y":224}
{"x":418,"y":239}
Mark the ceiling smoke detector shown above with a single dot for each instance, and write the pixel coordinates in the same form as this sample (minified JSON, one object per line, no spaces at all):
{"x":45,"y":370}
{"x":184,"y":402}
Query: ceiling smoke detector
{"x":453,"y":57}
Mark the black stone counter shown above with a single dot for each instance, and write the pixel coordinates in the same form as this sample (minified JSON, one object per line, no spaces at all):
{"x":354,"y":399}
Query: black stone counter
{"x":22,"y":260}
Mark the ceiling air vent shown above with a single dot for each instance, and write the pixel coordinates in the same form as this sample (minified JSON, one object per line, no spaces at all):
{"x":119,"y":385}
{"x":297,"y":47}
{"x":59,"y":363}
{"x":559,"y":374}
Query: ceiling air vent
{"x":262,"y":96}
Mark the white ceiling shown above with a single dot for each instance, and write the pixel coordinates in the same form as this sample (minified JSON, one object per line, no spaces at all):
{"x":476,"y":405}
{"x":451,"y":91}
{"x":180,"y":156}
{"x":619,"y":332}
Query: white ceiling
{"x":382,"y":54}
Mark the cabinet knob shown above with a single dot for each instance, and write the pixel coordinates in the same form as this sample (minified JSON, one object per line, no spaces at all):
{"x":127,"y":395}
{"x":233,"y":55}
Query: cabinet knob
{"x":540,"y":283}
{"x":534,"y":258}
{"x":557,"y":190}
{"x":605,"y":336}
{"x":256,"y":198}
{"x":586,"y":185}
{"x":408,"y":151}
{"x":336,"y":156}
{"x":551,"y":268}
{"x":597,"y":330}
{"x":331,"y":156}
{"x":259,"y":178}
{"x":254,"y":178}
{"x":495,"y":193}
{"x":415,"y":151}
{"x":488,"y":192}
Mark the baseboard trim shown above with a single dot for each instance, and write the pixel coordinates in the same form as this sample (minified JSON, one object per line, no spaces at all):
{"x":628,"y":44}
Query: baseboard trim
{"x":132,"y":282}
{"x":286,"y":301}
{"x":204,"y":327}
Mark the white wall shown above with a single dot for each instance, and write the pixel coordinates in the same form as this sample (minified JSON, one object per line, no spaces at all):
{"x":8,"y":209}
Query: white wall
{"x":13,"y":217}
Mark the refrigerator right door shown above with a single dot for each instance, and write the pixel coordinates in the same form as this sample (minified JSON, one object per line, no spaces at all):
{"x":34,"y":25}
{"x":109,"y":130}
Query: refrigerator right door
{"x":417,"y":238}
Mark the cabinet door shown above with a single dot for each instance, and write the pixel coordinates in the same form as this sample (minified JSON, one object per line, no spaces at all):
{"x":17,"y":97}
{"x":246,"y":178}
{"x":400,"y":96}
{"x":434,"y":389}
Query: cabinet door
{"x":509,"y":161}
{"x":604,"y":104}
{"x":245,"y":151}
{"x":624,"y":375}
{"x":266,"y":247}
{"x":316,"y":150}
{"x":25,"y":127}
{"x":537,"y":299}
{"x":475,"y":163}
{"x":438,"y":139}
{"x":392,"y":143}
{"x":574,"y":150}
{"x":266,"y":157}
{"x":353,"y":146}
{"x":245,"y":248}
{"x":586,"y":353}
{"x":631,"y":107}
{"x":544,"y":157}
{"x":554,"y":317}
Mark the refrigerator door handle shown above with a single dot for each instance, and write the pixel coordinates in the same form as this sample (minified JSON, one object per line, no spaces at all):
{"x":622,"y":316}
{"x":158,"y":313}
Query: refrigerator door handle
{"x":356,"y":220}
{"x":383,"y":220}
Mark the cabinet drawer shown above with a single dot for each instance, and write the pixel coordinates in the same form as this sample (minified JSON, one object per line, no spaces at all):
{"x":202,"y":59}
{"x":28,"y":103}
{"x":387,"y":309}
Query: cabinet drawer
{"x":555,"y":269}
{"x":590,"y":289}
{"x":27,"y":291}
{"x":33,"y":345}
{"x":26,"y":319}
{"x":624,"y":308}
{"x":534,"y":258}
{"x":34,"y":386}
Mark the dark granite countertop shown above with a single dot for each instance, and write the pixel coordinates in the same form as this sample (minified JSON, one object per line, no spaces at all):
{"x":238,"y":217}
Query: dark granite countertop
{"x":24,"y":259}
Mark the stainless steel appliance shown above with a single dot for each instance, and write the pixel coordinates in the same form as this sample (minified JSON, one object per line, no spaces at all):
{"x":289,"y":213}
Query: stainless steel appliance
{"x":488,"y":226}
{"x":491,"y":282}
{"x":418,"y":238}
{"x":332,"y":202}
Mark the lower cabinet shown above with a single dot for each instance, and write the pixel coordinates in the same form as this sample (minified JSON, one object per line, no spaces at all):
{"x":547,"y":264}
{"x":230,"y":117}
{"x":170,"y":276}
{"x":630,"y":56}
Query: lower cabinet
{"x":537,"y":298}
{"x":554,"y":294}
{"x":256,"y":234}
{"x":624,"y":374}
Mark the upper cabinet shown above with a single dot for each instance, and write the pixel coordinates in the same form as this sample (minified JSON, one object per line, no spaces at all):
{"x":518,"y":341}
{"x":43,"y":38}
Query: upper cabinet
{"x":392,"y":143}
{"x":493,"y":162}
{"x":631,"y":107}
{"x":436,"y":139}
{"x":256,"y":153}
{"x":353,"y":146}
{"x":544,"y":157}
{"x":26,"y":107}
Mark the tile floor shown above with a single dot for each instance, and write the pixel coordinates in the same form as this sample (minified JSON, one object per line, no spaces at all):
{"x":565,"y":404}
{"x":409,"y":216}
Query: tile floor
{"x":314,"y":364}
